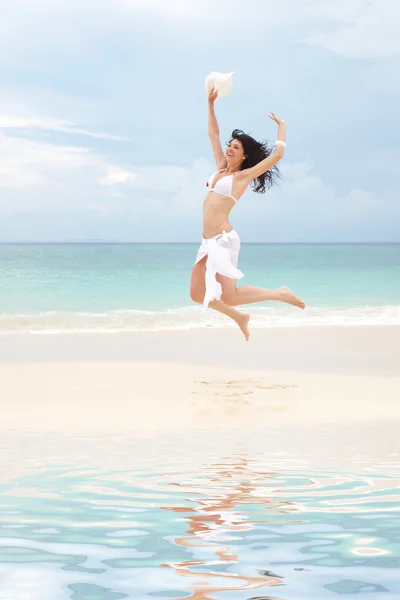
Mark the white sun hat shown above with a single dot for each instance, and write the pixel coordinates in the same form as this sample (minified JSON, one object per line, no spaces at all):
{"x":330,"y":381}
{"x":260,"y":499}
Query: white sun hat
{"x":222,"y":82}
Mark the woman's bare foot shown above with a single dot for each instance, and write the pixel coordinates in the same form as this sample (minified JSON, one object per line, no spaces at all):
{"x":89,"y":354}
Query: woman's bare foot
{"x":286,"y":295}
{"x":243,"y":322}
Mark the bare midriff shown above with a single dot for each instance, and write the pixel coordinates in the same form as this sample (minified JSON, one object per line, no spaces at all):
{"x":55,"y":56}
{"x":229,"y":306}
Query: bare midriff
{"x":216,"y":211}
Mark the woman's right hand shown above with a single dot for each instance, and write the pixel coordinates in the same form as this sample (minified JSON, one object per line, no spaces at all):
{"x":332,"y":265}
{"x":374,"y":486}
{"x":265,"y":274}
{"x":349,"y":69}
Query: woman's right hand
{"x":212,"y":95}
{"x":275,"y":118}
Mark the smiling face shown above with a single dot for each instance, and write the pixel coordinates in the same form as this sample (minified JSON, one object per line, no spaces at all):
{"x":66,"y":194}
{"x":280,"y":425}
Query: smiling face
{"x":235,"y":153}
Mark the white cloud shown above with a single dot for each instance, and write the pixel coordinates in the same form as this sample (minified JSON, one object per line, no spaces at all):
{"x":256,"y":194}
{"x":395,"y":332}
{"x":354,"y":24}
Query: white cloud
{"x":24,"y":161}
{"x":20,"y":178}
{"x":50,"y":163}
{"x":165,"y":202}
{"x":304,"y":208}
{"x":357,"y":28}
{"x":340,"y":10}
{"x":353,"y":28}
{"x":116,"y":175}
{"x":175,"y":181}
{"x":188,"y":8}
{"x":26,"y":164}
{"x":17,"y":122}
{"x":40,"y":175}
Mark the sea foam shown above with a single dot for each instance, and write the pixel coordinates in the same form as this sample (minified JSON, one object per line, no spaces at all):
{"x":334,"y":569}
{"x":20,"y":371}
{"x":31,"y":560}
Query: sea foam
{"x":194,"y":317}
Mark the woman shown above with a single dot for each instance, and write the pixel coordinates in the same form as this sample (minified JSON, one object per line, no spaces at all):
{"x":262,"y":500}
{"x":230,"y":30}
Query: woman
{"x":214,"y":274}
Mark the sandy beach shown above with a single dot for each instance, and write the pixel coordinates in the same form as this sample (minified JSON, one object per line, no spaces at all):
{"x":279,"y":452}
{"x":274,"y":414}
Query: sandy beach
{"x":201,"y":378}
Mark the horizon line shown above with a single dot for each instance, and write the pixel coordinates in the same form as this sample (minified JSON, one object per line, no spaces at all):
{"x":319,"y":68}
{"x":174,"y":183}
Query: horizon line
{"x":116,"y":243}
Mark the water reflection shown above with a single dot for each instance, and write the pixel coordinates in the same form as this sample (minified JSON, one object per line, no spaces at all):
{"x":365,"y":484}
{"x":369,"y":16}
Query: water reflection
{"x":215,"y":517}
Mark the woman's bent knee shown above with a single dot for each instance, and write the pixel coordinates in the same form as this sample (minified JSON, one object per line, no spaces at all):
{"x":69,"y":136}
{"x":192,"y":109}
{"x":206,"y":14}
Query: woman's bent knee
{"x":196,"y":297}
{"x":229,"y":298}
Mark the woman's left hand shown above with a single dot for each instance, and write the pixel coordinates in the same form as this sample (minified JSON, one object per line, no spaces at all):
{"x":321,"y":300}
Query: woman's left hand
{"x":275,"y":118}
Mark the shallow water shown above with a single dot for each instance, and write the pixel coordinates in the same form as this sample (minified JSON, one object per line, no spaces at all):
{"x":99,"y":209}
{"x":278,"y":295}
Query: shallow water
{"x":230,"y":515}
{"x":49,"y":288}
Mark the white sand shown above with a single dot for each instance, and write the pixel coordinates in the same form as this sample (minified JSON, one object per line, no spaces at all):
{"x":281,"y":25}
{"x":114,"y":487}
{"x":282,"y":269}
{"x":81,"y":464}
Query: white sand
{"x":199,"y":378}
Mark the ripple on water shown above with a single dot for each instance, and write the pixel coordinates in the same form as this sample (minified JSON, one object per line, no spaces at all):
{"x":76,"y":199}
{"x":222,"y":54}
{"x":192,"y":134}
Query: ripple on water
{"x":172,"y":517}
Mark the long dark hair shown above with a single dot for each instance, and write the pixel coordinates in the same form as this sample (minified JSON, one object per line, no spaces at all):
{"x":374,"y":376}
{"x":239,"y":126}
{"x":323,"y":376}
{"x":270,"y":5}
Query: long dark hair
{"x":256,"y":152}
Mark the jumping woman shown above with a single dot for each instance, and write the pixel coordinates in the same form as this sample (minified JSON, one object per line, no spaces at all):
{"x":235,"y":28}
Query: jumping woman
{"x":245,"y":162}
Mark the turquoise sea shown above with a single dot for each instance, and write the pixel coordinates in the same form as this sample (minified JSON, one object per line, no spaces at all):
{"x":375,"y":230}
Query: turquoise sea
{"x":227,"y":515}
{"x":130,"y":287}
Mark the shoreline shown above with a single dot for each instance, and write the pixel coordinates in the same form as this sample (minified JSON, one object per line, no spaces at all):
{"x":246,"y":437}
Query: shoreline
{"x":194,"y":318}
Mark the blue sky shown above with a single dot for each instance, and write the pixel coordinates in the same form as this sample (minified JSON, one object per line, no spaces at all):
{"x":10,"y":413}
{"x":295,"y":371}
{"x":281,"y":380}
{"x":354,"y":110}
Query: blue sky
{"x":103,"y":122}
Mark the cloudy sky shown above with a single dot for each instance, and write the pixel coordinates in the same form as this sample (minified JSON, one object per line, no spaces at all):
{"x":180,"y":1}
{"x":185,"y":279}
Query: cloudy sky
{"x":103,"y":122}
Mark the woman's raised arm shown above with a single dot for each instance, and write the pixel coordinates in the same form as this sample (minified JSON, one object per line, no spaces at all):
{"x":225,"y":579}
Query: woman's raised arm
{"x":213,"y":132}
{"x":277,"y":154}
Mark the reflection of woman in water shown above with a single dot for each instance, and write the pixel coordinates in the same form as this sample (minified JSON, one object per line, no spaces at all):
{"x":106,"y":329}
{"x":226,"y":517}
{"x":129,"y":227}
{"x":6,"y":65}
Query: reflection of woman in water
{"x":212,"y":521}
{"x":245,"y":162}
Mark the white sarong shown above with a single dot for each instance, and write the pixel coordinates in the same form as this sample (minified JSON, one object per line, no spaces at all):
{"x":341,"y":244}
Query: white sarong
{"x":222,"y":253}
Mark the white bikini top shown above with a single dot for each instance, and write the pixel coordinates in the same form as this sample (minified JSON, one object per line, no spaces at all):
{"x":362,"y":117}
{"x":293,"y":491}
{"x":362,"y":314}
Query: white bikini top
{"x":223,"y":185}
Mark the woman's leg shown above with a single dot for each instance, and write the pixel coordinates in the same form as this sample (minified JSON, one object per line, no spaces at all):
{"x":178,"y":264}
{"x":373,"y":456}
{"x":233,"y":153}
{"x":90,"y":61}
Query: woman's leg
{"x":198,"y":290}
{"x":248,"y":294}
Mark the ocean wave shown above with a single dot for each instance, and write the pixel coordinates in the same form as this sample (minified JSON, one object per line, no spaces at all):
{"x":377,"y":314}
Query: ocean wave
{"x":193,"y":317}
